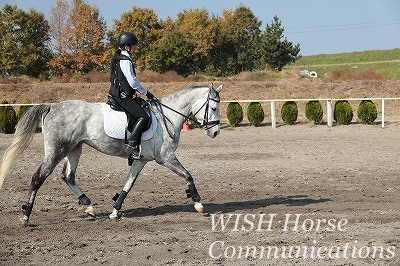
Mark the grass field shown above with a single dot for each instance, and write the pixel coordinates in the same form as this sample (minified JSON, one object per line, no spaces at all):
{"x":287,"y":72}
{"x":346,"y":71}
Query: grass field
{"x":384,"y":62}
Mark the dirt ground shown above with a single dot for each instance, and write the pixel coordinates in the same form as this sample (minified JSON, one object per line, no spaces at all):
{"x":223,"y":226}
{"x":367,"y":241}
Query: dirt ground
{"x":346,"y":178}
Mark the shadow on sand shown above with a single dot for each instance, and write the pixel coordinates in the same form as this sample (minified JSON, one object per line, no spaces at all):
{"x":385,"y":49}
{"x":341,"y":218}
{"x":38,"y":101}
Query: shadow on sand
{"x":210,"y":208}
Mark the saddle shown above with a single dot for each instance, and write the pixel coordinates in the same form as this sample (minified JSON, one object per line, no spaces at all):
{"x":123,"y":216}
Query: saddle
{"x":131,"y":119}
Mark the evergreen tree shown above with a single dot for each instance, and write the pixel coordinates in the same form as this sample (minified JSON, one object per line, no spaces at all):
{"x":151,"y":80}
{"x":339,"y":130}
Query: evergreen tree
{"x":278,"y":51}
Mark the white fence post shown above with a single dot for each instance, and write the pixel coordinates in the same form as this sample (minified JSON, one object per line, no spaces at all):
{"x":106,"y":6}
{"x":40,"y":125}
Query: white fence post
{"x":329,"y":113}
{"x":383,"y":113}
{"x":273,"y":114}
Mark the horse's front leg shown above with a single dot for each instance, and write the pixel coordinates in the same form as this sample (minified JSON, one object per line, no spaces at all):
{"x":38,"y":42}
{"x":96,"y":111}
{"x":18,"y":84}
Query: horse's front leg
{"x":68,"y":175}
{"x":175,"y":166}
{"x":134,"y":172}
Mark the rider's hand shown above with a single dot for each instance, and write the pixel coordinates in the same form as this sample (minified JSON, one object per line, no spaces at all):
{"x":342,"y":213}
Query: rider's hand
{"x":149,"y":96}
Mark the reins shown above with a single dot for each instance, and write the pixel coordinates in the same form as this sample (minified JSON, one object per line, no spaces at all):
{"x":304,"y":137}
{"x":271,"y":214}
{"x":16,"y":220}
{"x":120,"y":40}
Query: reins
{"x":204,"y":124}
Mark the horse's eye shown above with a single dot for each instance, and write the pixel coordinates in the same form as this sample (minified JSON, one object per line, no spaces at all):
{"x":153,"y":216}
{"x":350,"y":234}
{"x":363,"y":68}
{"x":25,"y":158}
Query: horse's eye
{"x":214,"y":109}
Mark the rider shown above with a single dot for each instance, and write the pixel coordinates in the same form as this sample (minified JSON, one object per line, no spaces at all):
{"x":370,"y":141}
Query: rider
{"x":124,"y":86}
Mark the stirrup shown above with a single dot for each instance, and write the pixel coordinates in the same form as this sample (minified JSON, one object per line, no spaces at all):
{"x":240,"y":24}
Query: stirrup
{"x":135,"y":152}
{"x":129,"y":147}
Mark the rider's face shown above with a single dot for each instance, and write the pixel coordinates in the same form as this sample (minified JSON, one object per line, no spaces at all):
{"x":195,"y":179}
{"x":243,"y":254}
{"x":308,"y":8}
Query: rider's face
{"x":130,"y":48}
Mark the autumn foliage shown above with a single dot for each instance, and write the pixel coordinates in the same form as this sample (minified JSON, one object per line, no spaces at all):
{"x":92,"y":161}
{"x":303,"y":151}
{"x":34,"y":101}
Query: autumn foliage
{"x":75,"y":41}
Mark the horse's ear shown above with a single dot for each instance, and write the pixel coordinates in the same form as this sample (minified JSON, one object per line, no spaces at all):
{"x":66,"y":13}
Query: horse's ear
{"x":217,"y":89}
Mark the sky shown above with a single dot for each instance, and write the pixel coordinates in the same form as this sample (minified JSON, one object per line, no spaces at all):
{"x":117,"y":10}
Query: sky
{"x":320,"y":27}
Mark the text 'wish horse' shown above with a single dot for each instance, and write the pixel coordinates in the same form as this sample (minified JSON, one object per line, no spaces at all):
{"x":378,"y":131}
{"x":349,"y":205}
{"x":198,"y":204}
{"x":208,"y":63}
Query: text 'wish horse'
{"x":67,"y":125}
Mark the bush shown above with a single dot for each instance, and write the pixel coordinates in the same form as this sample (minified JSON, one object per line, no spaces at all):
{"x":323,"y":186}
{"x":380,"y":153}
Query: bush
{"x":342,"y":113}
{"x":314,"y":112}
{"x":8,"y":119}
{"x":289,"y":112}
{"x":23,"y":109}
{"x":367,"y":112}
{"x":255,"y":113}
{"x":234,"y":113}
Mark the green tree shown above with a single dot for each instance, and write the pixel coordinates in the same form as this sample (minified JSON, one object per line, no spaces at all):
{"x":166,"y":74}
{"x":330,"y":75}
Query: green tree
{"x":241,"y":30}
{"x":222,"y":55}
{"x":198,"y":29}
{"x":186,"y":44}
{"x":174,"y":53}
{"x":278,"y":51}
{"x":23,"y":42}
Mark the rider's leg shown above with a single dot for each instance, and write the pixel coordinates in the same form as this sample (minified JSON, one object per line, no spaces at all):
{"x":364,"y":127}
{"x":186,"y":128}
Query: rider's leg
{"x":133,"y":145}
{"x":135,"y":109}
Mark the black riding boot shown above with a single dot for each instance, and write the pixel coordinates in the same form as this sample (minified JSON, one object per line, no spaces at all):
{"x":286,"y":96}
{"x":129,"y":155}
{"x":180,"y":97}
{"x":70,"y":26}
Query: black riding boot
{"x":133,"y":145}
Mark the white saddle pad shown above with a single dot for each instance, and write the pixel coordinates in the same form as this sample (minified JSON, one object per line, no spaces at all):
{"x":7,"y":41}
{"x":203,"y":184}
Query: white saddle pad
{"x":115,"y":124}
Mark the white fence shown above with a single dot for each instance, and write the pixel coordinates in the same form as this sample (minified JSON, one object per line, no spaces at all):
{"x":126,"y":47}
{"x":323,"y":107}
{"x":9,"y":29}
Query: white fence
{"x":329,"y":106}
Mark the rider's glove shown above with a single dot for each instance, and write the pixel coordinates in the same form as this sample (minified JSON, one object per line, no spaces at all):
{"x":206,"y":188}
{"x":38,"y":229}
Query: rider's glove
{"x":149,"y":96}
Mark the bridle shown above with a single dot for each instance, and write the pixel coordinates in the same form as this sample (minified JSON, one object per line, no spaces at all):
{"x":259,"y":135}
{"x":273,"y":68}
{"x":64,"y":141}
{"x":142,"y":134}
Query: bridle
{"x":206,"y":124}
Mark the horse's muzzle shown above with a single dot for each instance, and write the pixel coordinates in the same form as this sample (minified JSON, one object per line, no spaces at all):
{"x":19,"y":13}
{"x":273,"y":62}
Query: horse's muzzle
{"x":213,"y":131}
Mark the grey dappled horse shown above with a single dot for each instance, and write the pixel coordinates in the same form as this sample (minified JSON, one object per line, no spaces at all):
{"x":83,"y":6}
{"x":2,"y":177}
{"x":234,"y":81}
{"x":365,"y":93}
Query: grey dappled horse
{"x":67,"y":125}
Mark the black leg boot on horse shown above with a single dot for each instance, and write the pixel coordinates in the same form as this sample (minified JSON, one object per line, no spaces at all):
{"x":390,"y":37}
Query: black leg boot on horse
{"x":132,"y":147}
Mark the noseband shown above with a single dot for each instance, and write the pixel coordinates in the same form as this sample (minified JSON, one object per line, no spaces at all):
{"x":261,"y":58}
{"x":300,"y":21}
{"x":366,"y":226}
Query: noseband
{"x":205,"y":123}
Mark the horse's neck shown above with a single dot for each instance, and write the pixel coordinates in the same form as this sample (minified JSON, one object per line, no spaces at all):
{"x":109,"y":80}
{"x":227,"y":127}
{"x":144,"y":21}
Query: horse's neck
{"x":182,"y":102}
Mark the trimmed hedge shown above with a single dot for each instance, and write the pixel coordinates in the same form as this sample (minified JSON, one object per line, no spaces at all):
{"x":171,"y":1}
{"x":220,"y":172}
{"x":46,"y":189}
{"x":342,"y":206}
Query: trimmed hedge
{"x":314,"y":112}
{"x":255,"y":114}
{"x":289,"y":112}
{"x":367,"y":112}
{"x":234,"y":113}
{"x":342,"y":113}
{"x":8,"y":119}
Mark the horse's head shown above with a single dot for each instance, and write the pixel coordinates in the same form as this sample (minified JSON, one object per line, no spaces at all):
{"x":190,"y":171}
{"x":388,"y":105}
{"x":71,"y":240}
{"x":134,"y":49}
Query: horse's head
{"x":209,"y":114}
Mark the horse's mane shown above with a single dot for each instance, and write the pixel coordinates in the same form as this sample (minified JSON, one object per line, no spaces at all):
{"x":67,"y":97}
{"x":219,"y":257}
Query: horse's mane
{"x":185,"y":90}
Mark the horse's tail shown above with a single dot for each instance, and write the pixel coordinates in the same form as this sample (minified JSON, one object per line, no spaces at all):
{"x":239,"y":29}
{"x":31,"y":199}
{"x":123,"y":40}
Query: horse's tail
{"x":24,"y":132}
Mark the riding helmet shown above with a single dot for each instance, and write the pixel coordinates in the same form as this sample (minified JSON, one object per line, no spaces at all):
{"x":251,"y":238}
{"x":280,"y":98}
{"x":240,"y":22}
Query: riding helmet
{"x":127,"y":38}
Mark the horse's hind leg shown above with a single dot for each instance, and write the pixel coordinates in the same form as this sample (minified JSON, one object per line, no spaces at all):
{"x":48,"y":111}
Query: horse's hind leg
{"x":38,"y":178}
{"x":68,"y":175}
{"x":134,"y":172}
{"x":175,"y":166}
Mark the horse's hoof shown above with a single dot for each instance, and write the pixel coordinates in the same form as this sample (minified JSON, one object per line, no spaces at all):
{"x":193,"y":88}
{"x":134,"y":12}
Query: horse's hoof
{"x":24,"y":220}
{"x":90,"y":211}
{"x":114,"y":215}
{"x":199,"y":207}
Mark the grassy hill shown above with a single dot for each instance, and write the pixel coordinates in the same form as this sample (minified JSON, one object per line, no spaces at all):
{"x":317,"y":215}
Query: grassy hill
{"x":384,"y":62}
